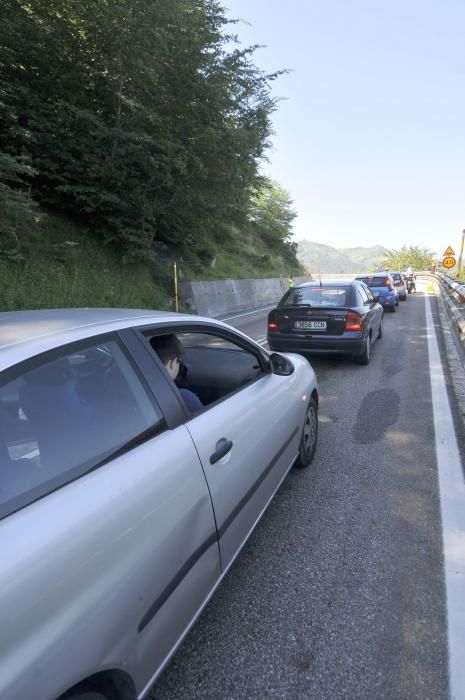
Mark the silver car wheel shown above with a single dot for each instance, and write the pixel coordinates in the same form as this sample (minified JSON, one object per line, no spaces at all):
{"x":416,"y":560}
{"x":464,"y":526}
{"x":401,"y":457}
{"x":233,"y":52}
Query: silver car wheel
{"x":309,"y":434}
{"x":309,"y":437}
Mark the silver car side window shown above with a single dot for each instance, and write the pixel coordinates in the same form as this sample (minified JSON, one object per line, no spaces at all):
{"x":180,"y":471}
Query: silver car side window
{"x":212,"y":368}
{"x":62,"y":417}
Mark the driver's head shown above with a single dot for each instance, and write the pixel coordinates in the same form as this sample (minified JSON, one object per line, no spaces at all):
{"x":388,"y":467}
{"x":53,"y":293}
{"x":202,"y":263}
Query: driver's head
{"x":170,"y":351}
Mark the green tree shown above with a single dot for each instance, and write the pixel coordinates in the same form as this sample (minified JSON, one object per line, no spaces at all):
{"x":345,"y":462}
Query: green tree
{"x":19,"y":211}
{"x":408,"y":256}
{"x":136,"y":115}
{"x":271,"y":212}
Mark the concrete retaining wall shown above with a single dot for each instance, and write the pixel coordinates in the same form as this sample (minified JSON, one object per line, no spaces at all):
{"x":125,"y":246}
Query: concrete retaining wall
{"x":220,"y":297}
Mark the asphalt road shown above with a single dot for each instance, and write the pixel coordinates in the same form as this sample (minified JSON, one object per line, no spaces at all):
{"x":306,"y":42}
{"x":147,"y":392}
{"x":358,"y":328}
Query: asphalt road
{"x":339,"y":592}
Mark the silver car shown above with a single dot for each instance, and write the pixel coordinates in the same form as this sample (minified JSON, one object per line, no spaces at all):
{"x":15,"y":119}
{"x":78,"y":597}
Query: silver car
{"x":128,"y":484}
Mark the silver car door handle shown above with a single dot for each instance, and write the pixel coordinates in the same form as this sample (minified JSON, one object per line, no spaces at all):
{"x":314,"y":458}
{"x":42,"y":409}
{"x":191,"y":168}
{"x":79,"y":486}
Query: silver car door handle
{"x":223,"y":446}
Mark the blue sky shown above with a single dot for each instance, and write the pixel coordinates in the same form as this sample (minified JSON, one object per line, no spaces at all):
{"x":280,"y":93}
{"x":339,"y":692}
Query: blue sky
{"x":370,"y":136}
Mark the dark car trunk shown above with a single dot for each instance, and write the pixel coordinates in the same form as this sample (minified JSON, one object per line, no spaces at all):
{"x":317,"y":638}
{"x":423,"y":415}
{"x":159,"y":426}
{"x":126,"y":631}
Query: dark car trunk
{"x":306,"y":320}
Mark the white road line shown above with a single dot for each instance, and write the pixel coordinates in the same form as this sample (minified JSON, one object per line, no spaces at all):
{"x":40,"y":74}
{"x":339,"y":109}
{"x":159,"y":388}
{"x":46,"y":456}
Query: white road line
{"x":267,"y":308}
{"x":452,"y":495}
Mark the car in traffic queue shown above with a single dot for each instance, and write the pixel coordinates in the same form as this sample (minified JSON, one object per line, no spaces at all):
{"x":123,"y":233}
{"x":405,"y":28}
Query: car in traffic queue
{"x":382,"y":286}
{"x":327,"y":317}
{"x":401,"y":285}
{"x":120,"y":508}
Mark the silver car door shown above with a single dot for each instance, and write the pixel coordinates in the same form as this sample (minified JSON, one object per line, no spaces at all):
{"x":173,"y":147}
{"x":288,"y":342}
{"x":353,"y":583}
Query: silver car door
{"x":263,"y":427}
{"x":257,"y":427}
{"x":104,"y":565}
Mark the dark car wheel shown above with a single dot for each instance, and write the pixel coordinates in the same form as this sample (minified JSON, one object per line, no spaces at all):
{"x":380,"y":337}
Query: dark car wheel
{"x":309,"y":437}
{"x":393,"y":309}
{"x":364,"y":358}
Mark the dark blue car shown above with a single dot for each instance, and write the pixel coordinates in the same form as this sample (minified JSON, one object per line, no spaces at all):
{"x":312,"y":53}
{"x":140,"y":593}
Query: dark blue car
{"x":382,"y":285}
{"x":327,"y":317}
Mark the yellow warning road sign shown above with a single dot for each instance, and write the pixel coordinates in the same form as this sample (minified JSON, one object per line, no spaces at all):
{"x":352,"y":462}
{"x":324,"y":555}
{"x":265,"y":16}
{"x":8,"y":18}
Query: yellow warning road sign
{"x":448,"y":252}
{"x":448,"y":262}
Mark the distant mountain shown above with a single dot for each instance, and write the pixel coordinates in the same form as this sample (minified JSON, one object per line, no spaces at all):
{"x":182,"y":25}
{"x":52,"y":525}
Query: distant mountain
{"x":339,"y":260}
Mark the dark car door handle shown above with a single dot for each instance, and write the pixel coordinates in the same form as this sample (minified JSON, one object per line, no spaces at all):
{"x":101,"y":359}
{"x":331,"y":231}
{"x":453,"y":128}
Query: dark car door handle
{"x":223,"y":446}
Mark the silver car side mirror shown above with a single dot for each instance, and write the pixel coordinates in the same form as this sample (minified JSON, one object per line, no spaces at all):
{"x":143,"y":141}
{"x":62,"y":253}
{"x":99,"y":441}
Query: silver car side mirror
{"x":281,"y":365}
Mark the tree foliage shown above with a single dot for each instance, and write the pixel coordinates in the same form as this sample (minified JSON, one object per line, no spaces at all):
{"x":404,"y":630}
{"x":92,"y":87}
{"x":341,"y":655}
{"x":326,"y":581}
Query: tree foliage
{"x":19,"y":211}
{"x":408,"y":256}
{"x":139,"y":119}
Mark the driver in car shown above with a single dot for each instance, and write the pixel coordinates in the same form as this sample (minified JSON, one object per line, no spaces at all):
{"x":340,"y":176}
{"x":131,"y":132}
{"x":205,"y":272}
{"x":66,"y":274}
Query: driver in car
{"x":170,"y":351}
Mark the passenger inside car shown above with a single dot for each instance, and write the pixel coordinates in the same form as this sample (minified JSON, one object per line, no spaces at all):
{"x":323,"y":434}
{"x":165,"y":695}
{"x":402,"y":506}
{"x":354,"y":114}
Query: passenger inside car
{"x":170,"y":351}
{"x":212,"y":366}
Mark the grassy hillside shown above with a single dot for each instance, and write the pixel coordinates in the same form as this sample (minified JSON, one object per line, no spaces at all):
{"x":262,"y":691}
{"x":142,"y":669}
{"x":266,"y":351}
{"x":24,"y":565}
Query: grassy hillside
{"x":63,"y":265}
{"x":339,"y":260}
{"x":367,"y":258}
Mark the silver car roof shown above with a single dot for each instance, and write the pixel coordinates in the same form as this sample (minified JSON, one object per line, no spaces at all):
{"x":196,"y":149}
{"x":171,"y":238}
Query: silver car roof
{"x":27,"y":333}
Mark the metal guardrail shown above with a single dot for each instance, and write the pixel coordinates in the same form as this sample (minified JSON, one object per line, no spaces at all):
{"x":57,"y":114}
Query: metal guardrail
{"x":454,"y":296}
{"x":457,"y":289}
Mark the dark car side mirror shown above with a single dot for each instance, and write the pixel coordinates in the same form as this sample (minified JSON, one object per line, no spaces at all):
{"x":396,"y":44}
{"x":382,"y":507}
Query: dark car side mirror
{"x":281,"y":365}
{"x":376,"y":299}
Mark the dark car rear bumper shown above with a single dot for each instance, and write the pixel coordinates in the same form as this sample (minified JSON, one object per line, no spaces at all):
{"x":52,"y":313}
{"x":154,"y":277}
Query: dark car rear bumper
{"x":318,"y":344}
{"x":384,"y":301}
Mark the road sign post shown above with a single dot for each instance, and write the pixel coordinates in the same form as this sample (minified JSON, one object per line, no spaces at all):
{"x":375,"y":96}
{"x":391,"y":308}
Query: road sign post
{"x":175,"y":274}
{"x":459,"y":271}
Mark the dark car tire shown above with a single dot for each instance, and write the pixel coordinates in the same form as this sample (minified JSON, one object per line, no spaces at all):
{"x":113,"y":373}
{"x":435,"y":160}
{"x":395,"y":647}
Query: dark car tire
{"x":380,"y":331}
{"x":309,"y":437}
{"x":393,"y":309}
{"x":364,"y":358}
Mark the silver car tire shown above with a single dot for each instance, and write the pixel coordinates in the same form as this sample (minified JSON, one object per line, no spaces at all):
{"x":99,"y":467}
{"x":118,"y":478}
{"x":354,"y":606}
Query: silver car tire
{"x":83,"y":695}
{"x":380,"y":330}
{"x":309,"y":437}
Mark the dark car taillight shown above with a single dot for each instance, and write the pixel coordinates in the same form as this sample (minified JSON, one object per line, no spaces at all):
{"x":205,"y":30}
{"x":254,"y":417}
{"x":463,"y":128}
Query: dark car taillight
{"x":273,"y":320}
{"x":354,"y":322}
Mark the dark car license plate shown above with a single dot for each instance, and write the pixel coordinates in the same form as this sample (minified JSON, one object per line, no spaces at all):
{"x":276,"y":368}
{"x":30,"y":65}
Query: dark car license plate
{"x":310,"y":325}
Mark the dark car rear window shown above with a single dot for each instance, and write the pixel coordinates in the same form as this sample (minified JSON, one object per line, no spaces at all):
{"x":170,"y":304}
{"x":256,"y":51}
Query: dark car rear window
{"x":318,"y":296}
{"x":375,"y":281}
